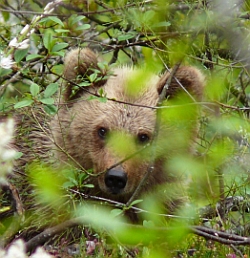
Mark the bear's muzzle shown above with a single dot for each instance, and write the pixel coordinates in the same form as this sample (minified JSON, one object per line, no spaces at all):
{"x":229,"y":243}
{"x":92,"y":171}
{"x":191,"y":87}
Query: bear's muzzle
{"x":115,"y":180}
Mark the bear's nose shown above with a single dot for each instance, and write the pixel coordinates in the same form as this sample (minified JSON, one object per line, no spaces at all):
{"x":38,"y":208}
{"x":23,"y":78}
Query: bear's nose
{"x":115,"y":180}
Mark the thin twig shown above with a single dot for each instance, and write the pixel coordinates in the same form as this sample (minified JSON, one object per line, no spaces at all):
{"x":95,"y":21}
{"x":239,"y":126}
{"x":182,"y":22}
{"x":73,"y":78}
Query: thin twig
{"x":219,"y":236}
{"x":123,"y":205}
{"x":48,"y":233}
{"x":167,"y":84}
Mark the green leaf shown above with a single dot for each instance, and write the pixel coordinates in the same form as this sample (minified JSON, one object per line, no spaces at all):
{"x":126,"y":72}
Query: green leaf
{"x":18,"y":154}
{"x":116,"y":212}
{"x":56,"y":20}
{"x":101,"y":99}
{"x":53,"y":19}
{"x":60,"y":53}
{"x":50,"y":109}
{"x":59,"y":46}
{"x":102,"y":65}
{"x":100,"y":217}
{"x":50,"y":90}
{"x":33,"y":56}
{"x":149,"y":16}
{"x":148,"y":224}
{"x":23,"y":103}
{"x":61,"y":31}
{"x":135,"y":202}
{"x":47,"y":183}
{"x":47,"y":101}
{"x":92,"y":77}
{"x":68,"y":184}
{"x":20,"y":54}
{"x":57,"y":69}
{"x":84,"y":84}
{"x":48,"y":40}
{"x":161,"y":24}
{"x":4,"y":72}
{"x":34,"y":89}
{"x":76,"y":19}
{"x":101,"y":92}
{"x":6,"y":16}
{"x":83,"y":27}
{"x":89,"y":186}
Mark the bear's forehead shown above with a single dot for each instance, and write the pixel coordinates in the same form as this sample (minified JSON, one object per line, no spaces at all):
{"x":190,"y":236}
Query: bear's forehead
{"x":125,"y":117}
{"x":133,"y":86}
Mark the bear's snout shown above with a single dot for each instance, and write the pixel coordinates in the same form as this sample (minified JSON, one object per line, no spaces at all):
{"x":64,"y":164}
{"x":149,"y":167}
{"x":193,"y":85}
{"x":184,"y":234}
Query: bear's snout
{"x":115,"y":180}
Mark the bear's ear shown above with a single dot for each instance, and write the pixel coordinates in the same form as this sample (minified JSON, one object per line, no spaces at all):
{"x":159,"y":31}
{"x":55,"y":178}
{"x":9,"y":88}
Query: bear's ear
{"x":184,"y":79}
{"x":79,"y":64}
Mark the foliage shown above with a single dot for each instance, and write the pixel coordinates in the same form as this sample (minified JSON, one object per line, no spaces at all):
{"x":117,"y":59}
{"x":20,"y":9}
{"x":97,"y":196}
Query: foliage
{"x":153,"y":35}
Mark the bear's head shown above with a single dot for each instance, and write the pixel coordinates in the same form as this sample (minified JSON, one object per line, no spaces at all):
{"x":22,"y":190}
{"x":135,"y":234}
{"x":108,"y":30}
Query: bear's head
{"x":128,"y":131}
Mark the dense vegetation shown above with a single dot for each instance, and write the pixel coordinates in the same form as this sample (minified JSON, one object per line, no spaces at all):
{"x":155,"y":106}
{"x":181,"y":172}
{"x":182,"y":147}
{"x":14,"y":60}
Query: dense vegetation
{"x":211,"y":35}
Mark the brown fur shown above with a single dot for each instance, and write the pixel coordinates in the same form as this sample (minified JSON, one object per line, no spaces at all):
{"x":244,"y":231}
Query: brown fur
{"x":75,"y":128}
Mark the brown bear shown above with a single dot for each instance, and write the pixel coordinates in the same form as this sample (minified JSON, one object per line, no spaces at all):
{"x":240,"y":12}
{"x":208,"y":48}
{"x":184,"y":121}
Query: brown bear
{"x":125,"y":135}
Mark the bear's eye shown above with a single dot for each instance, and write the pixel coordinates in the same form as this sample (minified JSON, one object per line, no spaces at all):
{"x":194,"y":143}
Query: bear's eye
{"x":102,"y":132}
{"x":143,"y":138}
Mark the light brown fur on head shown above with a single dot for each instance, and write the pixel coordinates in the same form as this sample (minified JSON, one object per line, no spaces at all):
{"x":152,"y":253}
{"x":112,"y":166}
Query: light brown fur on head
{"x":80,"y":129}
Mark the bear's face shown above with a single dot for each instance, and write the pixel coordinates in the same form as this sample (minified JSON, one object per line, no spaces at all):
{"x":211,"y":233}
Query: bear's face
{"x":114,"y":131}
{"x":113,"y":137}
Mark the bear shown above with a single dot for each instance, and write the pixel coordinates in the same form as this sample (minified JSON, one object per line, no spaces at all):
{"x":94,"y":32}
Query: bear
{"x":100,"y":107}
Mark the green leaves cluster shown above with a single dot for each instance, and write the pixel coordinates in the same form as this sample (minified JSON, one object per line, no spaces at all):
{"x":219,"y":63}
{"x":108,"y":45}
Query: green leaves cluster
{"x":38,"y":97}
